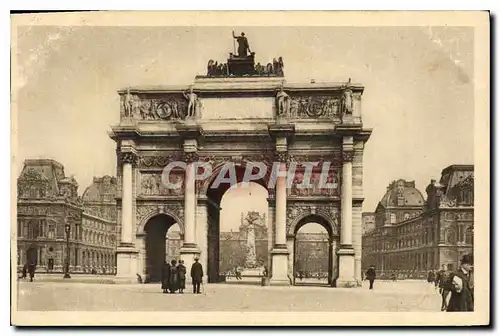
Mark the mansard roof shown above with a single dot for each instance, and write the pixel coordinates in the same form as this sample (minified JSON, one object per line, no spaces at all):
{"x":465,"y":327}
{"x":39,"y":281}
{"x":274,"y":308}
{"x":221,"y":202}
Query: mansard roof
{"x":102,"y":189}
{"x":402,"y":189}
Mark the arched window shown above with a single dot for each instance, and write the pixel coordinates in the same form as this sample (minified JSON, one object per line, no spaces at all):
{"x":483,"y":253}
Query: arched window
{"x":407,"y":216}
{"x":469,"y":236}
{"x":451,"y":236}
{"x":33,"y":230}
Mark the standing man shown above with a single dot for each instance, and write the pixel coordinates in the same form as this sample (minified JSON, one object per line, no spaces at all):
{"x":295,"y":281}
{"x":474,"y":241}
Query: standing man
{"x":370,"y":275}
{"x":442,"y":280}
{"x":462,"y":298}
{"x":31,"y":270}
{"x":196,"y":275}
{"x":181,"y":271}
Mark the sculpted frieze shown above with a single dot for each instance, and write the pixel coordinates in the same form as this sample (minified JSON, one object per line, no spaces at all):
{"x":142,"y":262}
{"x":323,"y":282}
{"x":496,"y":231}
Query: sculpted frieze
{"x":174,"y":107}
{"x":152,"y":184}
{"x":329,"y":187}
{"x":316,"y":107}
{"x":161,"y":160}
{"x":445,"y":202}
{"x":335,"y":159}
{"x":29,"y":210}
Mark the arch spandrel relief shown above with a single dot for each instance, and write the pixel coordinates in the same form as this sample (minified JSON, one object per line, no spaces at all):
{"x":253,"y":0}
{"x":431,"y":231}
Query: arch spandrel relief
{"x":145,"y":212}
{"x":298,"y":211}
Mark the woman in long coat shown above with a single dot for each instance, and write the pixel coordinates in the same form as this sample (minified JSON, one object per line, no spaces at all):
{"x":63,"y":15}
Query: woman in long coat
{"x":165,"y":277}
{"x":462,"y":297}
{"x":174,"y":277}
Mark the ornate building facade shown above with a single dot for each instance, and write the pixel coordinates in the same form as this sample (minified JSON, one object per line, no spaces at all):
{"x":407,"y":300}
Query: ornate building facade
{"x":47,"y":201}
{"x":413,"y":239}
{"x":368,"y":222}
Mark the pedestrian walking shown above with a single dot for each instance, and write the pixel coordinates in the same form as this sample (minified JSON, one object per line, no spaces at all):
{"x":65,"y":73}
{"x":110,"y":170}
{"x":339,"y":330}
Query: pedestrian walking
{"x":165,"y":277}
{"x":431,"y":277}
{"x":196,"y":275}
{"x":442,"y":280}
{"x":371,"y":275}
{"x":31,"y":270}
{"x":462,"y":297}
{"x":181,"y":271}
{"x":25,"y":271}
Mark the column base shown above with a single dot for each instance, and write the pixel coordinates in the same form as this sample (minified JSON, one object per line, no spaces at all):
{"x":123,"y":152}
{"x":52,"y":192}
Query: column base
{"x":126,"y":261}
{"x":347,"y":273}
{"x":188,"y":252}
{"x":279,"y":273}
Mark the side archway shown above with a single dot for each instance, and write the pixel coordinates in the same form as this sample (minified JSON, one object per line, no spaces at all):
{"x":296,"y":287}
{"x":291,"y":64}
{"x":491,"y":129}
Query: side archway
{"x":325,"y":246}
{"x":146,"y":212}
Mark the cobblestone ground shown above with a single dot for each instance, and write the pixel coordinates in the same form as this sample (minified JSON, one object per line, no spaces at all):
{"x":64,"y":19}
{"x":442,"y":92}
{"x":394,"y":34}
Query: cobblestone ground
{"x":405,"y":295}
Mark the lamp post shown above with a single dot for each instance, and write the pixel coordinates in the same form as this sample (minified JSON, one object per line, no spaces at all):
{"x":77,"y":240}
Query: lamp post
{"x":67,"y":229}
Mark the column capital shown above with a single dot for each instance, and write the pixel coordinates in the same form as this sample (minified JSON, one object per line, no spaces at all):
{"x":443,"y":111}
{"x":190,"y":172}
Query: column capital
{"x":347,"y":156}
{"x":128,"y":157}
{"x":281,"y":156}
{"x":190,"y":157}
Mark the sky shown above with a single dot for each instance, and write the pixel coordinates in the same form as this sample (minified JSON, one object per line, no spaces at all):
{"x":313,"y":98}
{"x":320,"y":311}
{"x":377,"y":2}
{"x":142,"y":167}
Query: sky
{"x":418,"y":96}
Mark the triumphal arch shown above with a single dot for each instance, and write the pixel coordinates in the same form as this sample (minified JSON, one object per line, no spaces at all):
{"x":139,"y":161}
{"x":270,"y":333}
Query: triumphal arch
{"x":244,"y":114}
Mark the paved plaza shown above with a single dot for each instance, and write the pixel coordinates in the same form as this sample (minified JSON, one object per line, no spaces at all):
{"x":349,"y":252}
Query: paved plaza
{"x":408,"y":295}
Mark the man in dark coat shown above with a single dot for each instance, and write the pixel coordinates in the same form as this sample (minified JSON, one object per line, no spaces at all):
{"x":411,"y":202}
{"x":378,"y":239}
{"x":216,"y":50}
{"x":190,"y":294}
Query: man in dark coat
{"x":431,"y":277}
{"x":165,"y":277}
{"x":174,"y":277}
{"x":442,"y":280}
{"x":196,"y":275}
{"x":462,"y":298}
{"x":370,"y":275}
{"x":181,"y":271}
{"x":31,"y":270}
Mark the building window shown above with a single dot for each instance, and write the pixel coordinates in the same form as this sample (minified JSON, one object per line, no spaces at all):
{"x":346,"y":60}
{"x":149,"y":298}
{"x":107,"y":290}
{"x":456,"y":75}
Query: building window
{"x":469,"y":236}
{"x":406,"y":216}
{"x":51,"y":231}
{"x":393,"y":218}
{"x":33,"y":230}
{"x":451,"y":237}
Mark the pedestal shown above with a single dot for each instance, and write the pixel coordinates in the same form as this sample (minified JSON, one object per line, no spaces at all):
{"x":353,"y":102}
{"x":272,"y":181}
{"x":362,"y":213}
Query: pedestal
{"x":188,"y":252}
{"x":279,"y":275}
{"x":126,"y":261}
{"x":347,"y":276}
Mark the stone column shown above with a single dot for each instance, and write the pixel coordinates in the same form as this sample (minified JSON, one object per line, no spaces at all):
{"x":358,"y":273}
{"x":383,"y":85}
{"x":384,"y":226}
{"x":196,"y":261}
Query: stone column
{"x":202,"y":236}
{"x":346,"y":251}
{"x":270,"y":233}
{"x":280,"y":251}
{"x":126,"y":252}
{"x":189,"y":249}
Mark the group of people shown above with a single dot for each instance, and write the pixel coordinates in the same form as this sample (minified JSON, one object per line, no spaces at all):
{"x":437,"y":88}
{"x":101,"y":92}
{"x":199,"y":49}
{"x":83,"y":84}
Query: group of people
{"x":173,"y":277}
{"x":28,"y":268}
{"x":456,"y":288}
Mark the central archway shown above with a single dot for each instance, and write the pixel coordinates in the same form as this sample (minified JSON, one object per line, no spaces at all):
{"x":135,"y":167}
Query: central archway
{"x":215,"y":193}
{"x":314,"y":251}
{"x":156,"y":229}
